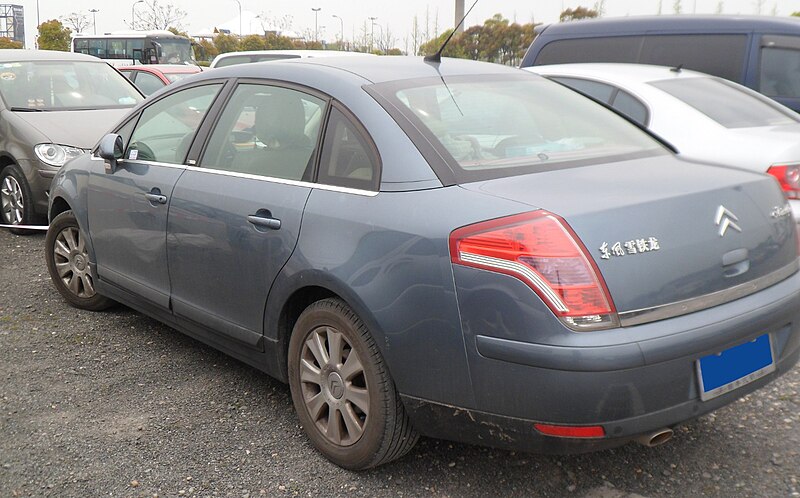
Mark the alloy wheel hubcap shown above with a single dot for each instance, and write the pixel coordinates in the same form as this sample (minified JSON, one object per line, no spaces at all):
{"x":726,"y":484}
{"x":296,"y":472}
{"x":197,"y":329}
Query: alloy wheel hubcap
{"x":334,"y":386}
{"x":72,"y":263}
{"x":11,"y":201}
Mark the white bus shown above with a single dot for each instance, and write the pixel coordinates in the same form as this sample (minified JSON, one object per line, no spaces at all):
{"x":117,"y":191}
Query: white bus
{"x":125,"y":48}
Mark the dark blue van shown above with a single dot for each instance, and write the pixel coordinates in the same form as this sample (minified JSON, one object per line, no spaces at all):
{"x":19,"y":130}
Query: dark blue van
{"x":760,"y":52}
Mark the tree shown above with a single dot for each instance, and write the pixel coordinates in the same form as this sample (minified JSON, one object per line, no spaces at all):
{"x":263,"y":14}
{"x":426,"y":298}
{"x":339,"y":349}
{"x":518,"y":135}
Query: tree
{"x":226,"y":43}
{"x":155,"y":16}
{"x":9,"y":43}
{"x":77,"y":21}
{"x":676,"y":7}
{"x":796,"y":14}
{"x":252,"y":42}
{"x":54,"y":36}
{"x":578,"y":13}
{"x":720,"y":7}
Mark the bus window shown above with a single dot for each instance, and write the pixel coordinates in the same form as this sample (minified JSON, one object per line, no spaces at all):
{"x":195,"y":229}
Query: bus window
{"x":98,"y":48}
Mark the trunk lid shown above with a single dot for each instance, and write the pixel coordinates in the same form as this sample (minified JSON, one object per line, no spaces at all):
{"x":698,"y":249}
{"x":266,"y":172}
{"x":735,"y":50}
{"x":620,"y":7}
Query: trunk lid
{"x":663,"y":230}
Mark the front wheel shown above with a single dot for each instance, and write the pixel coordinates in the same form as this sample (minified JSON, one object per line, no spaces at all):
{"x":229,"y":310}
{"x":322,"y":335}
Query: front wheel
{"x":68,"y":264}
{"x":342,"y":391}
{"x":16,"y":202}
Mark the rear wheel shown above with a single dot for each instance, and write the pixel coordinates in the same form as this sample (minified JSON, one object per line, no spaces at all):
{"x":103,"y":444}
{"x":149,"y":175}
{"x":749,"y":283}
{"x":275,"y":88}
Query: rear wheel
{"x":341,"y":389}
{"x":68,"y":264}
{"x":16,"y":202}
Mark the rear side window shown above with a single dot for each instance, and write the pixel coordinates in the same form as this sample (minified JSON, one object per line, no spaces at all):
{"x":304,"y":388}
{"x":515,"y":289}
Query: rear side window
{"x":604,"y":49}
{"x":630,"y":106}
{"x":617,"y":98}
{"x":267,"y":131}
{"x":780,"y":72}
{"x":720,"y":55}
{"x":715,"y":98}
{"x":600,"y":91}
{"x":348,"y":158}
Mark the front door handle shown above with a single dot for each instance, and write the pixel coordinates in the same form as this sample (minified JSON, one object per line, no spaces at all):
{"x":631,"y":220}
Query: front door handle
{"x":159,"y":198}
{"x":266,"y":222}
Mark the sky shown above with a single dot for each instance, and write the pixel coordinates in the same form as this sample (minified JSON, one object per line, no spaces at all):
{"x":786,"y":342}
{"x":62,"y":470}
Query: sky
{"x":395,"y":17}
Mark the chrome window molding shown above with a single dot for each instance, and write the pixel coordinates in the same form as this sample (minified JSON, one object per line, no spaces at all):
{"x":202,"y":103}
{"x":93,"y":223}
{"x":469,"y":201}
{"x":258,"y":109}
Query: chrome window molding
{"x":671,"y":310}
{"x":284,"y":181}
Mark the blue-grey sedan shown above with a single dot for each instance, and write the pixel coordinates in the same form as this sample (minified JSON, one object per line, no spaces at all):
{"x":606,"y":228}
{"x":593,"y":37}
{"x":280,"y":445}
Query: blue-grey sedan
{"x":455,"y":249}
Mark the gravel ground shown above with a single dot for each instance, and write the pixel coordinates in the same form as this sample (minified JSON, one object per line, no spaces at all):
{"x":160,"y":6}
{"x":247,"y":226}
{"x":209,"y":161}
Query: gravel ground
{"x":117,"y":404}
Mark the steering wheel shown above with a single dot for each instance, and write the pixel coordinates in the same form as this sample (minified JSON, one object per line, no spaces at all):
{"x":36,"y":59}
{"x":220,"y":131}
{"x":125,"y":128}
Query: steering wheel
{"x":477,"y":153}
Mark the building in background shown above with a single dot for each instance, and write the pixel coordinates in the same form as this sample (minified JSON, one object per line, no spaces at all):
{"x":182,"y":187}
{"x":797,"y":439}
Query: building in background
{"x":12,"y":22}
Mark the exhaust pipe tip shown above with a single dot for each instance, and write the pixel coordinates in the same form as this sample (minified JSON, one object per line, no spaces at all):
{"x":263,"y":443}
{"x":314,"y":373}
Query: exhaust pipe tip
{"x":655,"y":438}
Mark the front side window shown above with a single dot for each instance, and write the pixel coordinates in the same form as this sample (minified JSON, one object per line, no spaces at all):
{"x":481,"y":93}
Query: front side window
{"x":267,"y":131}
{"x":493,"y":126}
{"x":166,"y":128}
{"x":64,"y":85}
{"x":727,"y":103}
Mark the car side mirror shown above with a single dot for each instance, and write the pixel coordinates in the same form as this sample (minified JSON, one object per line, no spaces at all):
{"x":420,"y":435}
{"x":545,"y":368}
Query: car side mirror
{"x":111,"y":150}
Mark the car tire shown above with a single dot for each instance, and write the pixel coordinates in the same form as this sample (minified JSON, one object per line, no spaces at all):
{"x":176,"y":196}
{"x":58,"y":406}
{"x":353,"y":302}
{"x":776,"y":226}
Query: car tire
{"x":16,"y":201}
{"x":344,"y":397}
{"x":68,"y":264}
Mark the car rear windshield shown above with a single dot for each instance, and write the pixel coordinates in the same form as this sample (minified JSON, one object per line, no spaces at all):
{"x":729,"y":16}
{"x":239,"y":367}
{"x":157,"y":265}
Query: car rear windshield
{"x":64,"y":85}
{"x":492,"y":126}
{"x":727,"y":103}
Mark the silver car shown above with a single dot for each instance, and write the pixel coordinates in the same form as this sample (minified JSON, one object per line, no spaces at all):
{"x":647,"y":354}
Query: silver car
{"x":54,"y":107}
{"x":457,"y":249}
{"x":706,"y":118}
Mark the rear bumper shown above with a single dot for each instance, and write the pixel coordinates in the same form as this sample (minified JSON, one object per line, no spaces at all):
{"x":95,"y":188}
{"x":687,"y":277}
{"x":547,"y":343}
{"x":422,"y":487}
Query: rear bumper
{"x":630,"y":381}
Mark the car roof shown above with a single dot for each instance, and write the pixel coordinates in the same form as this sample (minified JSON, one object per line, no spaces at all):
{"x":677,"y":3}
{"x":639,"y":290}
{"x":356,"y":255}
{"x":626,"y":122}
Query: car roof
{"x":164,"y":68}
{"x":622,"y":73}
{"x":373,"y":69}
{"x":300,"y":53}
{"x":15,"y":55}
{"x":666,"y":23}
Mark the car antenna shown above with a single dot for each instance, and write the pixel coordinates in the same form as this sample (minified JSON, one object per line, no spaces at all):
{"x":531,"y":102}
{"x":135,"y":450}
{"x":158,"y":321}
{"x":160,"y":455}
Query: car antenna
{"x":676,"y":69}
{"x":437,"y":57}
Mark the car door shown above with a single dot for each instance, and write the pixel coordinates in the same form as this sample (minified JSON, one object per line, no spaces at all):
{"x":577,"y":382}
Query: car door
{"x":128,"y":208}
{"x":235,"y":218}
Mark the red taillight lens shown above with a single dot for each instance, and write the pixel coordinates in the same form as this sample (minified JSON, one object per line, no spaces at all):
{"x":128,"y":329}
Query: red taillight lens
{"x":540,"y":249}
{"x":581,"y":431}
{"x":789,"y":179}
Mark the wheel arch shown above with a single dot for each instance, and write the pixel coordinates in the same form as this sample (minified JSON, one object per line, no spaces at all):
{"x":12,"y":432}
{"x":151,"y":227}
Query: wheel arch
{"x":299,"y":292}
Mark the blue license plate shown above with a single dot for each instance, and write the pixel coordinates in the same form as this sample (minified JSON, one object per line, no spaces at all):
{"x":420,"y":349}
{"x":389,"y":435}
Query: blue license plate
{"x":723,"y":372}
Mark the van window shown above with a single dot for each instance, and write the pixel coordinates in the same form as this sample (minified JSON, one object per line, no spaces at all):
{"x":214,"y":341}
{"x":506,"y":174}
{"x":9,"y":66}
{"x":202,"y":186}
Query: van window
{"x":780,"y":72}
{"x":713,"y":97}
{"x":720,"y":55}
{"x":604,"y":49}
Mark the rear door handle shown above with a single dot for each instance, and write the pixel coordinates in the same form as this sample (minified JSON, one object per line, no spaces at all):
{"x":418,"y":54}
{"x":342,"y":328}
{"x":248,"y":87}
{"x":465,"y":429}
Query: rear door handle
{"x":159,"y":198}
{"x":261,"y":221}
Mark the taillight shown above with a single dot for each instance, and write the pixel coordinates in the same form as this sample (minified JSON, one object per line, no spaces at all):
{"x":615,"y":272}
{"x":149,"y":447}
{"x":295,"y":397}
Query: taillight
{"x":541,"y":250}
{"x":789,"y":178}
{"x":576,"y":431}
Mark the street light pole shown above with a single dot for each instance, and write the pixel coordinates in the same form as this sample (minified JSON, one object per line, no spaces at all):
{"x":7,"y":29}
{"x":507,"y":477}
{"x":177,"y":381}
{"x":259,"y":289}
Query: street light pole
{"x":240,"y":17}
{"x":341,"y":30}
{"x":133,"y":15}
{"x":94,"y":20}
{"x":316,"y":26}
{"x":372,"y":34}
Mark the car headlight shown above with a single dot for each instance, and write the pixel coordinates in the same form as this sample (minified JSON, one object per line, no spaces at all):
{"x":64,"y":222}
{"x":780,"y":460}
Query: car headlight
{"x":56,"y":155}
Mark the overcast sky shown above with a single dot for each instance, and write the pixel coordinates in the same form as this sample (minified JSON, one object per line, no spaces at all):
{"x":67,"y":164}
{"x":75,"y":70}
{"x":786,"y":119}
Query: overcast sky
{"x":396,"y":16}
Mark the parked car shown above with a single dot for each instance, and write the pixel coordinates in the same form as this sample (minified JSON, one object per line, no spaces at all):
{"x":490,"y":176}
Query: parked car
{"x":705,"y":117}
{"x":55,"y":106}
{"x":233,"y":58}
{"x":458,"y":249}
{"x":153,"y":77}
{"x":760,"y":52}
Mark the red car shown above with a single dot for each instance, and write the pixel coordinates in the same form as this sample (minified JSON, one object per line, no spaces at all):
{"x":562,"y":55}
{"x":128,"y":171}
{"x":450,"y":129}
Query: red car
{"x":152,"y":77}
